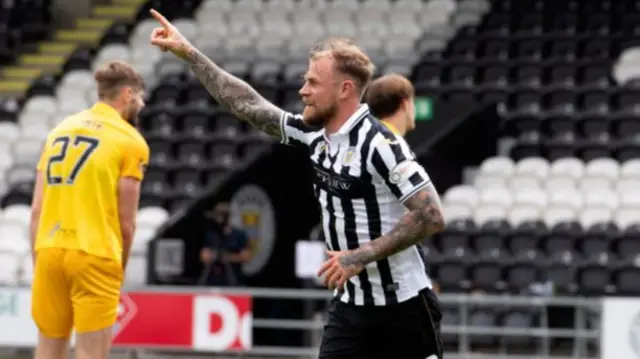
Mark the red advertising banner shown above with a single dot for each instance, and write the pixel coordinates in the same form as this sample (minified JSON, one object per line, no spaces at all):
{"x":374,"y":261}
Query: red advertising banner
{"x":194,"y":321}
{"x":207,"y":322}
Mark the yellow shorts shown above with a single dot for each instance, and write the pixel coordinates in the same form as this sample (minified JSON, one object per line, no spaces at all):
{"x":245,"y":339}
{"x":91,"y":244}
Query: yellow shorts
{"x":73,"y":289}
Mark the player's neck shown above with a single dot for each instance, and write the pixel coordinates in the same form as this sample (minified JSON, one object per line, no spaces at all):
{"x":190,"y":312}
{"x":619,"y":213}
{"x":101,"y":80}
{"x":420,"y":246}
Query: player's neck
{"x":114,"y":106}
{"x":341,"y":117}
{"x":397,"y":122}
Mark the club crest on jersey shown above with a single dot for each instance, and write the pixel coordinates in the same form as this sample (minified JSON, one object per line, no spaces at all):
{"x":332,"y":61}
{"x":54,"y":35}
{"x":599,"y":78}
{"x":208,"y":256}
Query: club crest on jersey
{"x":349,"y":156}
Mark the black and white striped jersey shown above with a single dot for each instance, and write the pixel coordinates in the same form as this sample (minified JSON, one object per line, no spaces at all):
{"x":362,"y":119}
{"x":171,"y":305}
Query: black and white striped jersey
{"x":362,"y":175}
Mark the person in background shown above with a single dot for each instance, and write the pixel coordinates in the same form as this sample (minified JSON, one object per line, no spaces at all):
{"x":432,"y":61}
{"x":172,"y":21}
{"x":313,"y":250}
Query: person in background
{"x":224,"y":250}
{"x":390,"y":99}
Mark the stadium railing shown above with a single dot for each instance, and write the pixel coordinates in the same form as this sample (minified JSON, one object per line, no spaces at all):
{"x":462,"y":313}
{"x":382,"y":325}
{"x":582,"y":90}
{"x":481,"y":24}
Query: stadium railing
{"x":203,"y":320}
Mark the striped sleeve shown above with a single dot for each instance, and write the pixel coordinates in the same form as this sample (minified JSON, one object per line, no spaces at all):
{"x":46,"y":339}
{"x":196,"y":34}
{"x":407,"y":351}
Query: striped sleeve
{"x":294,"y":130}
{"x":394,"y":162}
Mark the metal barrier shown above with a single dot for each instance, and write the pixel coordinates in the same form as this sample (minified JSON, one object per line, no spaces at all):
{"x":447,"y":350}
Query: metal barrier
{"x":539,"y":341}
{"x":581,"y":338}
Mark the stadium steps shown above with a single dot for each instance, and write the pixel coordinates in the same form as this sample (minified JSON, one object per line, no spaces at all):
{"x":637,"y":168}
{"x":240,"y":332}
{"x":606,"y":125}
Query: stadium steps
{"x":51,"y":55}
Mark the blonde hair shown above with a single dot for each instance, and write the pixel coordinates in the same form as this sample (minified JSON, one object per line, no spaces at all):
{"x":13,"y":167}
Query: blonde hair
{"x":350,"y":59}
{"x":386,"y":93}
{"x":114,"y":75}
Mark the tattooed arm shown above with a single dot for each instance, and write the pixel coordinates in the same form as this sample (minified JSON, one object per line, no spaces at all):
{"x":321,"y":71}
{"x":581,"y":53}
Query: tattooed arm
{"x":423,"y":219}
{"x":236,"y":95}
{"x":229,"y":91}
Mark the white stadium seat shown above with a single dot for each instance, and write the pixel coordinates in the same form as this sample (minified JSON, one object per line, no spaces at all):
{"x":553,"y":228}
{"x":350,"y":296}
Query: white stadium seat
{"x":601,"y":198}
{"x":136,"y":273}
{"x":557,"y":183}
{"x":536,"y":167}
{"x":626,"y":184}
{"x":630,"y":170}
{"x":9,"y":265}
{"x":522,"y":213}
{"x":524,"y":181}
{"x":625,"y":217}
{"x":40,"y":105}
{"x":6,"y":160}
{"x":567,"y":198}
{"x":16,"y":213}
{"x":463,"y":195}
{"x":567,"y":167}
{"x":13,"y":231}
{"x":9,"y":132}
{"x":79,"y":79}
{"x":595,"y":215}
{"x":152,"y":217}
{"x":554,"y":215}
{"x":601,"y":172}
{"x":456,"y":211}
{"x":485,"y":213}
{"x":496,"y":197}
{"x":630,"y":199}
{"x":532,"y":197}
{"x":142,"y":237}
{"x":494,"y":172}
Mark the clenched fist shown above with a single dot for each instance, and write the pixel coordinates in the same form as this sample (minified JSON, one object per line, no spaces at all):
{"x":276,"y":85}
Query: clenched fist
{"x":168,"y":37}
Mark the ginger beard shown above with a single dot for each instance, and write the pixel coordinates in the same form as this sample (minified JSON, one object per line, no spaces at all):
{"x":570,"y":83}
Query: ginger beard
{"x":132,"y":109}
{"x":132,"y":113}
{"x":315,"y":116}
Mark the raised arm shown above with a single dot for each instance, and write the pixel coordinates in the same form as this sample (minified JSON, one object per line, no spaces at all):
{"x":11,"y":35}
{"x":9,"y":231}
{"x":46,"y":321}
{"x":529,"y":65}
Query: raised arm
{"x":229,"y":91}
{"x":423,"y":219}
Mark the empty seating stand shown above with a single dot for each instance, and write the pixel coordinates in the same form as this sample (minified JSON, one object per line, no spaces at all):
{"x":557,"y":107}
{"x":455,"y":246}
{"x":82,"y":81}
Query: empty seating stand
{"x":551,"y":67}
{"x":22,"y":23}
{"x":521,"y":225}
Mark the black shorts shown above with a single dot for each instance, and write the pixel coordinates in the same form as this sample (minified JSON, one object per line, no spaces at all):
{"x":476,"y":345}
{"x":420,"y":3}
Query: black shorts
{"x":408,"y":330}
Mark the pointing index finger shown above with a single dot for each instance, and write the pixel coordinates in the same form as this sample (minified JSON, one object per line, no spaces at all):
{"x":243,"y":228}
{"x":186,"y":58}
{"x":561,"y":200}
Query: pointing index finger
{"x":161,"y":19}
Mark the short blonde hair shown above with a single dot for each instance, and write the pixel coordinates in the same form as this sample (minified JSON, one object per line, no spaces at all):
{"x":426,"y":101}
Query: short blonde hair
{"x":386,"y":93}
{"x":350,"y":59}
{"x":114,"y":75}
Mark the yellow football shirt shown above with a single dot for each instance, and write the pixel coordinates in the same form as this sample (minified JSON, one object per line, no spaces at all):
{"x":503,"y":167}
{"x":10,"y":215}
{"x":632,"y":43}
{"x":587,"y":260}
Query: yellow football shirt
{"x":82,"y":160}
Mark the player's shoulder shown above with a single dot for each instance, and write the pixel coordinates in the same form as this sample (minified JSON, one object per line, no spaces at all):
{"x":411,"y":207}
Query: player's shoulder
{"x":67,"y":125}
{"x":382,"y":134}
{"x":384,"y":138}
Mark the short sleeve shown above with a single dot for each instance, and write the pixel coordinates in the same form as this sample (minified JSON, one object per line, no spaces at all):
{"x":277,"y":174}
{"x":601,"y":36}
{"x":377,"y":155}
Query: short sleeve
{"x":395,"y":163}
{"x":294,"y":130}
{"x":136,"y":160}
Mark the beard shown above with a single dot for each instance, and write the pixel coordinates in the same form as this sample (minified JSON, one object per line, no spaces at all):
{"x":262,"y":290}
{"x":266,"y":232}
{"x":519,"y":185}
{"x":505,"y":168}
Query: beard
{"x":318,"y":117}
{"x":132,"y":116}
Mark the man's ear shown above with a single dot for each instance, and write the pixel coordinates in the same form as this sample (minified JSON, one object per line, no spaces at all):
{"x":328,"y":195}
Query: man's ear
{"x":347,"y":87}
{"x":407,"y":104}
{"x":127,"y":94}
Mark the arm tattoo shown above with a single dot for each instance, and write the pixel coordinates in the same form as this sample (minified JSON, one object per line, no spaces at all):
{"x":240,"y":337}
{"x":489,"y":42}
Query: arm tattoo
{"x":423,"y":219}
{"x":236,"y":95}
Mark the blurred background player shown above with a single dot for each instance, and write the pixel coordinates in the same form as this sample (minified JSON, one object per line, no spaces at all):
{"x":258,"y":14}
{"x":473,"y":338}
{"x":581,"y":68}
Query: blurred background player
{"x":83,"y":216}
{"x":390,"y":99}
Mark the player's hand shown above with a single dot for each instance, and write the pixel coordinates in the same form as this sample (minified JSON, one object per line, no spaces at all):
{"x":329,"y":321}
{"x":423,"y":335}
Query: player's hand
{"x":168,"y":38}
{"x":336,"y":274}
